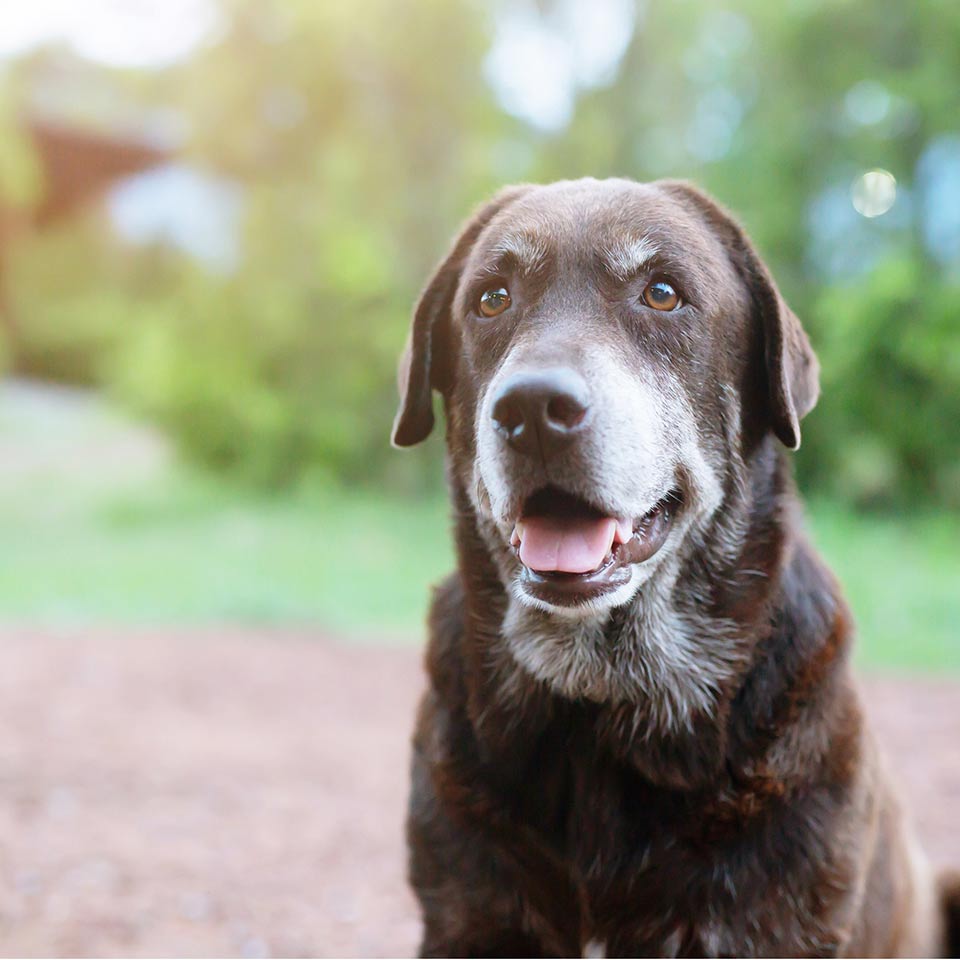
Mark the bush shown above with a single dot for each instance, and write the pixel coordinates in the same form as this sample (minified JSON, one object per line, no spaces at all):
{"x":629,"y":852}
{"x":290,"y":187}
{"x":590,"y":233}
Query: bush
{"x":888,"y":424}
{"x":261,"y":382}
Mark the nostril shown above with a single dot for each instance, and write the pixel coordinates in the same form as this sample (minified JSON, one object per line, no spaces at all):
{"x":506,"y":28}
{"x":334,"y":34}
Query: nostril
{"x":565,"y":411}
{"x":508,"y":414}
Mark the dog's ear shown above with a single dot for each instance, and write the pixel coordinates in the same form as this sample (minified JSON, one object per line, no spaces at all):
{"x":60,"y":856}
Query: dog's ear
{"x":792,"y":370}
{"x":425,"y":364}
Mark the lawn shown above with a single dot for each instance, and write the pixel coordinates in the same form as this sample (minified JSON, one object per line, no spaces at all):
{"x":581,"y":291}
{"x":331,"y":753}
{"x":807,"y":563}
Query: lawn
{"x":187,"y":550}
{"x":183,"y":549}
{"x":901,"y":575}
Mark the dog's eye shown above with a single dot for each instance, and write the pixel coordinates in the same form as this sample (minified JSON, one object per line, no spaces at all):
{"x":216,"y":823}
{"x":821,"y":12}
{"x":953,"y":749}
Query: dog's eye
{"x":494,"y":302}
{"x":659,"y":295}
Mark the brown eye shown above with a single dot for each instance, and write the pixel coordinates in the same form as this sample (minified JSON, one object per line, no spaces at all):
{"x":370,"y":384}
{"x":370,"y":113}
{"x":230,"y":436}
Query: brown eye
{"x":659,"y":295}
{"x":494,"y":302}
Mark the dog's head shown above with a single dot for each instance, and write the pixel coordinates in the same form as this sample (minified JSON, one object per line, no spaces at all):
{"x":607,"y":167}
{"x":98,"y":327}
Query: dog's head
{"x":605,"y":349}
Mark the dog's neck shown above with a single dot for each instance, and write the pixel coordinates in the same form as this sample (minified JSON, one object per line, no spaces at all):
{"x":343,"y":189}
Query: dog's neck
{"x":663,"y":675}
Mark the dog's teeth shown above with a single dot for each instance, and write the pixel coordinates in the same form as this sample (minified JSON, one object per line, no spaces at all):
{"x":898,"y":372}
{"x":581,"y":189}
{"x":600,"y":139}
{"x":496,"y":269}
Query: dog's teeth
{"x":516,"y":536}
{"x":624,"y":531}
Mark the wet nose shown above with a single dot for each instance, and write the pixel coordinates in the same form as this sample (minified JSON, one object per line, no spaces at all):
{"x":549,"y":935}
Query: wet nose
{"x":541,"y":411}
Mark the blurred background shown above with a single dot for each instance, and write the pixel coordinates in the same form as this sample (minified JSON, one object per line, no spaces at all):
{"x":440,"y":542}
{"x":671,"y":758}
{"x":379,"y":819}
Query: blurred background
{"x":215,"y":216}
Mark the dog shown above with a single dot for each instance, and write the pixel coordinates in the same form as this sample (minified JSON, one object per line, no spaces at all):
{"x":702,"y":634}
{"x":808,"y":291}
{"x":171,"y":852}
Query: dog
{"x":641,"y":736}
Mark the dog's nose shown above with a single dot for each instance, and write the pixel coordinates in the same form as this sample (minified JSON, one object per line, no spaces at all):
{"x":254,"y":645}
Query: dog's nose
{"x":541,"y":410}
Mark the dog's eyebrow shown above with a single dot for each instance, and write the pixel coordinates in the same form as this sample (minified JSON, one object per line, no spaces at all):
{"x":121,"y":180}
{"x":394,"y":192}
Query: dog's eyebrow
{"x":625,"y":258}
{"x":527,"y":250}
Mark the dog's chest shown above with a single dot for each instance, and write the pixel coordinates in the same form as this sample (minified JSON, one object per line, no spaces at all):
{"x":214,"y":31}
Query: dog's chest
{"x":654,"y":872}
{"x":612,"y":830}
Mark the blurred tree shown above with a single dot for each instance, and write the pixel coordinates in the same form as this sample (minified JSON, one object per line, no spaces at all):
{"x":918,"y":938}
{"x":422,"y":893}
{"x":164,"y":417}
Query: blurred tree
{"x":20,"y":190}
{"x":356,"y":133}
{"x":362,"y":134}
{"x":776,"y":109}
{"x":47,"y":172}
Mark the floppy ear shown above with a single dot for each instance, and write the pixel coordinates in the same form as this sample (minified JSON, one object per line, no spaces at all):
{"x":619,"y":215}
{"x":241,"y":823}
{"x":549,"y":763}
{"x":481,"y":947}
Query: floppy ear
{"x":424,"y":364}
{"x":792,"y":370}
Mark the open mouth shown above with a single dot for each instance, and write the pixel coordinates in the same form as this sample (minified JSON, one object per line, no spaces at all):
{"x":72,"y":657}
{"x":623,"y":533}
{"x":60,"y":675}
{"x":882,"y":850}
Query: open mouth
{"x":571,"y":552}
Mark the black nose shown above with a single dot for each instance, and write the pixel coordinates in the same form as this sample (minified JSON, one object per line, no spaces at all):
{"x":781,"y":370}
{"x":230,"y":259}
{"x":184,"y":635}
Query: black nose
{"x":542,"y":410}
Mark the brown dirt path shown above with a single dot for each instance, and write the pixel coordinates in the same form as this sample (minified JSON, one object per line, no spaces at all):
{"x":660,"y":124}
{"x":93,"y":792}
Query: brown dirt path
{"x":234,"y":792}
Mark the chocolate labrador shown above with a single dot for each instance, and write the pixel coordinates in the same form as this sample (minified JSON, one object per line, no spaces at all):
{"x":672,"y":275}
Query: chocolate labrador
{"x":641,"y":734}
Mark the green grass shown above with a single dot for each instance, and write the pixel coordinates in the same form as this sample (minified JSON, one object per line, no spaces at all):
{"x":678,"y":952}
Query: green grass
{"x":189,"y":552}
{"x":185,"y":550}
{"x":901,"y":575}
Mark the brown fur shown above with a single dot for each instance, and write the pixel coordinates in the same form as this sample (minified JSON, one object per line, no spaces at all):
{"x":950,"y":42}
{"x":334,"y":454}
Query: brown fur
{"x":763,"y":825}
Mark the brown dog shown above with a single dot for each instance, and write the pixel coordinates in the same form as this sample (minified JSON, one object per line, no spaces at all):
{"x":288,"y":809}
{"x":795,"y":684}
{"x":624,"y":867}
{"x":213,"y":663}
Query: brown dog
{"x":641,"y":734}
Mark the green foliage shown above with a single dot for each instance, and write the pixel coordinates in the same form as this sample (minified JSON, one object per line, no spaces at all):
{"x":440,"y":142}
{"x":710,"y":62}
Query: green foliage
{"x":361,"y":136}
{"x":889,"y":414}
{"x":21,"y":181}
{"x":68,"y":324}
{"x":242,"y":378}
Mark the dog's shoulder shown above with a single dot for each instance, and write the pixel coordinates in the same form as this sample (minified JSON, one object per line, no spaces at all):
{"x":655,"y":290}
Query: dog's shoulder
{"x":446,"y":627}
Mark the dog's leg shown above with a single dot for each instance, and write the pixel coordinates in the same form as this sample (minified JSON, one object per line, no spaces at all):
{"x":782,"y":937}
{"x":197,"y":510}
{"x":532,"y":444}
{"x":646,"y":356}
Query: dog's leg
{"x":950,"y":899}
{"x":489,"y":943}
{"x":473,"y":900}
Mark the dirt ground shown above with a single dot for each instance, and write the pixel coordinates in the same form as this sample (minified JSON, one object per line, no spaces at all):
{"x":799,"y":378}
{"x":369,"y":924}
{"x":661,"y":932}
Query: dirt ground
{"x":241,"y":793}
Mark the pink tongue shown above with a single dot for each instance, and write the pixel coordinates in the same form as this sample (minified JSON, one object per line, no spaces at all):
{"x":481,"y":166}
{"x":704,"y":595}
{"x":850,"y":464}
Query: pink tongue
{"x":576,"y":545}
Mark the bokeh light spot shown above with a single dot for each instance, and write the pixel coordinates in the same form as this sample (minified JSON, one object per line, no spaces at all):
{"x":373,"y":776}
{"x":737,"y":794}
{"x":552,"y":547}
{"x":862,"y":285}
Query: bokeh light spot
{"x":874,"y":193}
{"x":868,"y":103}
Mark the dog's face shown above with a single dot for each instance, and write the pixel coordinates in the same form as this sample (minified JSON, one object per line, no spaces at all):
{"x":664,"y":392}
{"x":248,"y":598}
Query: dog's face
{"x":606,"y":349}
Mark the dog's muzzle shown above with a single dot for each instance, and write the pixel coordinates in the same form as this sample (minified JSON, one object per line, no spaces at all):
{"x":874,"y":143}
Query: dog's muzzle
{"x":570,"y":548}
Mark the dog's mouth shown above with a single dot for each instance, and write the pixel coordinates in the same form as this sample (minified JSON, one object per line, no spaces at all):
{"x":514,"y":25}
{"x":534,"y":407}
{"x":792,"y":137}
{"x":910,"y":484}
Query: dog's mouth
{"x":570,"y":551}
